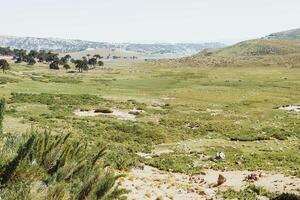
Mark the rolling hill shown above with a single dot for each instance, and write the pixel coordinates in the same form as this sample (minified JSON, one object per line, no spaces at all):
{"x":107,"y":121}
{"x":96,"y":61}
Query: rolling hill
{"x":293,"y":34}
{"x":260,"y":47}
{"x":259,"y":51}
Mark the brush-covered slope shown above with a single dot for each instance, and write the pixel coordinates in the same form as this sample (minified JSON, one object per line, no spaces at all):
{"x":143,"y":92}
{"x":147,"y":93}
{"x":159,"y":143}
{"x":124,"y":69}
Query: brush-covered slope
{"x":261,"y":48}
{"x":293,"y":34}
{"x":264,"y":51}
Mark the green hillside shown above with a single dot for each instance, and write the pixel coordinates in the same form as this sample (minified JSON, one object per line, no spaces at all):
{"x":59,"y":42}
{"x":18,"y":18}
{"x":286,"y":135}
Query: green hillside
{"x":261,"y":47}
{"x":266,"y":51}
{"x":293,"y":34}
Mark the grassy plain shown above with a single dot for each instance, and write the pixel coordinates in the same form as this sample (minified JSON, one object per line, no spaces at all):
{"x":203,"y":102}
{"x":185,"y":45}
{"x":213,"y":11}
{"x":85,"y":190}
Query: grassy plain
{"x":194,"y":111}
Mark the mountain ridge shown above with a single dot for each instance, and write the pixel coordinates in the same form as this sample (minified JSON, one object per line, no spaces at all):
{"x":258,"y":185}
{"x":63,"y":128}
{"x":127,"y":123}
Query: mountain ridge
{"x":75,"y":45}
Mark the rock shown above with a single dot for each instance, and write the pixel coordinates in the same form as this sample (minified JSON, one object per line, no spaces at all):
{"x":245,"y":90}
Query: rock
{"x":219,"y":156}
{"x":221,"y":180}
{"x":252,"y":177}
{"x":209,"y":193}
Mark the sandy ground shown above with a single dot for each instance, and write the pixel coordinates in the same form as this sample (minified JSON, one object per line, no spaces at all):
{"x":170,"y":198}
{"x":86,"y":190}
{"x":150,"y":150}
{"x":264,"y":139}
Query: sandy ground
{"x":290,"y":108}
{"x":151,"y":183}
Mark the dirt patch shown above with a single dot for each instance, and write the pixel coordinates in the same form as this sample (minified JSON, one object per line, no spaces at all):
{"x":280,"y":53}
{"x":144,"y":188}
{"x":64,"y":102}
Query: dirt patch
{"x":290,"y":108}
{"x":151,"y":183}
{"x":154,"y":153}
{"x":106,"y":112}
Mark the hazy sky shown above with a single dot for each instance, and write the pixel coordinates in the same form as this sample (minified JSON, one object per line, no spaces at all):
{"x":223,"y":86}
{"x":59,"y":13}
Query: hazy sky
{"x":148,"y":20}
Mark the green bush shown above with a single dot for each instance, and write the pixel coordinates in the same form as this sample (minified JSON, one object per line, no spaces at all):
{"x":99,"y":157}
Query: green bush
{"x":68,"y":168}
{"x":175,"y":163}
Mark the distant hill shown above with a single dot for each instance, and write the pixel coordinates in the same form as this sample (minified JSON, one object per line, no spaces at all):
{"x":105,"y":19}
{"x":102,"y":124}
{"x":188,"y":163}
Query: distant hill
{"x":64,"y":45}
{"x":263,"y":51}
{"x":120,"y":54}
{"x":293,"y":34}
{"x":260,"y":47}
{"x":67,"y":45}
{"x":171,"y":49}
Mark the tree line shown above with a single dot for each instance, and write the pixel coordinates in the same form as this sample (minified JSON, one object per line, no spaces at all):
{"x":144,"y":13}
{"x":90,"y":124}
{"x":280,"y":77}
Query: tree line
{"x":32,"y":57}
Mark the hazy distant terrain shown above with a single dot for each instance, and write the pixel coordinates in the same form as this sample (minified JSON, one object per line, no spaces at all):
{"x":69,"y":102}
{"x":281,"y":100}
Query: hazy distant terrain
{"x":65,"y":45}
{"x":68,"y":45}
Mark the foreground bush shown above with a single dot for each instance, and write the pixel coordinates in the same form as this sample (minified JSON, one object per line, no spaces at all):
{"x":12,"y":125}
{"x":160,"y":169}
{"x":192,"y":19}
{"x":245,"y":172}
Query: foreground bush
{"x":46,"y":166}
{"x":54,"y":167}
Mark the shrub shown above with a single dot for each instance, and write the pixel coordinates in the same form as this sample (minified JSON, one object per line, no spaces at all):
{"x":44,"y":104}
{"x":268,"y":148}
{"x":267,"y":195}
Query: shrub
{"x":69,"y":169}
{"x":103,"y":110}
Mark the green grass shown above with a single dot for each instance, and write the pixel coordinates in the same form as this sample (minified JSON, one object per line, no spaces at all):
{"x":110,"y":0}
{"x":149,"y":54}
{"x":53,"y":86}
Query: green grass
{"x":207,"y":109}
{"x":253,"y":192}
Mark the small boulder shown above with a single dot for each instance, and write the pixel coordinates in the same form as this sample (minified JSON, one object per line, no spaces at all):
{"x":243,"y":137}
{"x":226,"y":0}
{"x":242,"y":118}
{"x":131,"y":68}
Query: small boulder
{"x":252,"y":177}
{"x":221,"y":180}
{"x":219,"y":156}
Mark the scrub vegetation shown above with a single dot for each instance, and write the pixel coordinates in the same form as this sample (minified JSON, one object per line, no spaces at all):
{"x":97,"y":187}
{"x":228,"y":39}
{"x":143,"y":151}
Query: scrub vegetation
{"x":194,"y":111}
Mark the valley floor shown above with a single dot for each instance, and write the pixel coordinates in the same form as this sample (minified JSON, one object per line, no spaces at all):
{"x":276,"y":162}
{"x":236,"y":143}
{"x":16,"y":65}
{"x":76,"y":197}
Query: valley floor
{"x":182,"y":117}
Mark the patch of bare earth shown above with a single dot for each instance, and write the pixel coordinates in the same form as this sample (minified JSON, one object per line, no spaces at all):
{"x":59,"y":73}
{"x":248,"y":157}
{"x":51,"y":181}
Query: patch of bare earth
{"x":151,"y":183}
{"x":114,"y":113}
{"x":290,"y":108}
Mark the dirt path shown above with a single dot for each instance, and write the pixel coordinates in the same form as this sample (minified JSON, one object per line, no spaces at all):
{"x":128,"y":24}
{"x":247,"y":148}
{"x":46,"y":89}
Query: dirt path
{"x":151,"y":183}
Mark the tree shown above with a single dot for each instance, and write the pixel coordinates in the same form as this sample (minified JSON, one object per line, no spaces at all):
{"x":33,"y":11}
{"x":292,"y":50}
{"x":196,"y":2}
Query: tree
{"x":63,"y":61}
{"x":20,"y":53}
{"x":81,"y":65}
{"x":18,"y":60}
{"x":6,"y":51}
{"x":4,"y":65}
{"x":42,"y":56}
{"x":100,"y":63}
{"x":85,"y":59}
{"x":93,"y":62}
{"x":67,"y":57}
{"x":67,"y":67}
{"x":97,"y":56}
{"x":54,"y":65}
{"x":73,"y":60}
{"x":50,"y":57}
{"x":33,"y":54}
{"x":31,"y":61}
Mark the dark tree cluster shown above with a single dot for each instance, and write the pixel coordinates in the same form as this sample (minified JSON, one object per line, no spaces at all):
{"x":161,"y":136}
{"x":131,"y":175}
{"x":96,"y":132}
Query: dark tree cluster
{"x":64,"y":61}
{"x":88,"y":62}
{"x":32,"y":57}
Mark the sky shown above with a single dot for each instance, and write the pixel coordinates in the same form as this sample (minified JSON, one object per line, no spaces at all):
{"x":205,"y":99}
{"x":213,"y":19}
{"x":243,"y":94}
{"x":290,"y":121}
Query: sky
{"x":148,"y":20}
